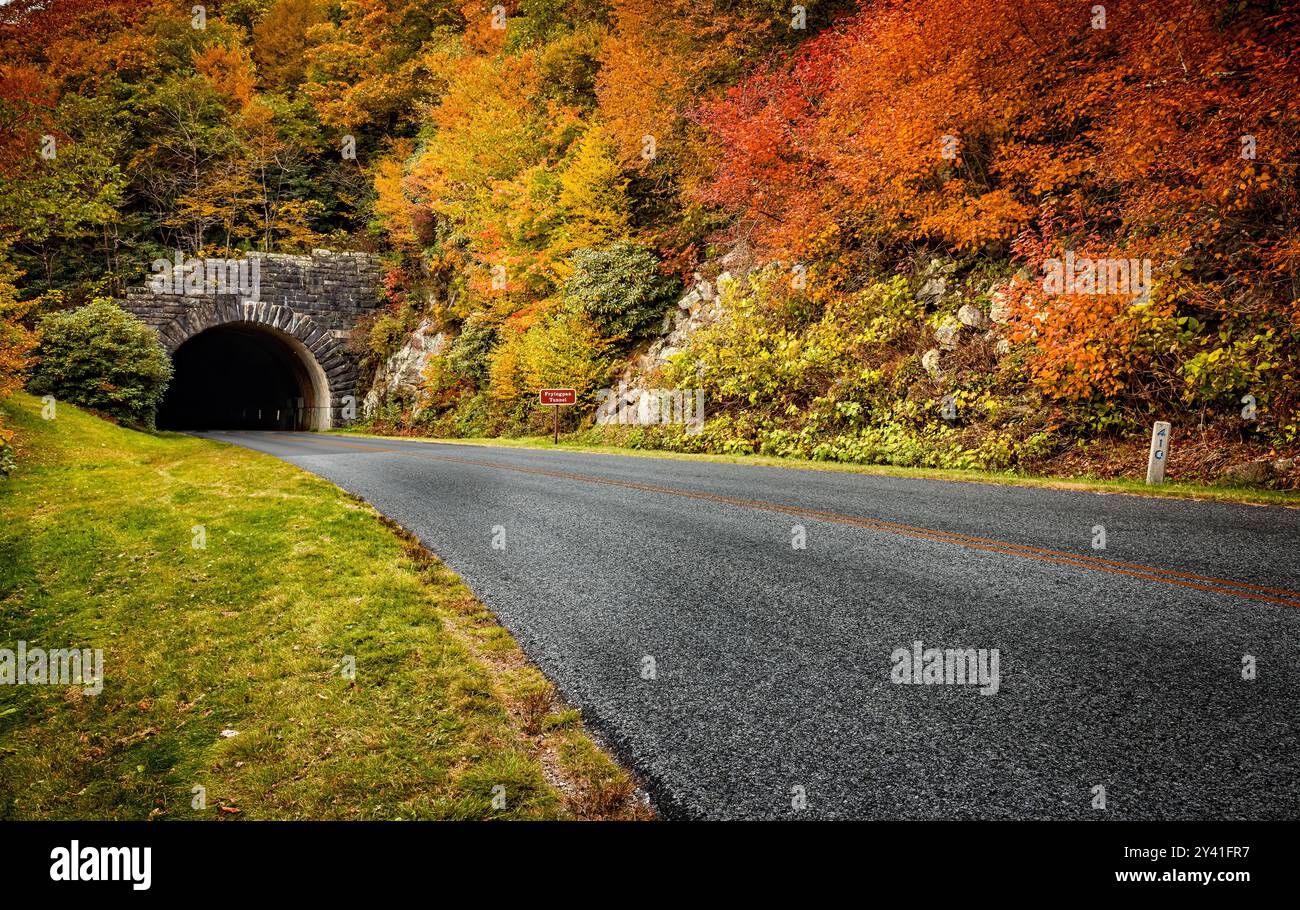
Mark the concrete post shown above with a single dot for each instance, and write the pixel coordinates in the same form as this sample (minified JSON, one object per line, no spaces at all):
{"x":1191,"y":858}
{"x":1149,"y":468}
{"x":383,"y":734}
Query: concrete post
{"x":1159,"y":455}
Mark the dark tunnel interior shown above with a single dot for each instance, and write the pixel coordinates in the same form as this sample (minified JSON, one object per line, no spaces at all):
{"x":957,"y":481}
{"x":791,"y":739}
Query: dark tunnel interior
{"x":237,"y":378}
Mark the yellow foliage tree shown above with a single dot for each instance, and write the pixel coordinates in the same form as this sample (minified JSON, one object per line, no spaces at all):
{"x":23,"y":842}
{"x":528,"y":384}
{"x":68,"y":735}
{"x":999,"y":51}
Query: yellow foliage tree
{"x":392,"y":207}
{"x":229,"y":70}
{"x":593,"y":196}
{"x":562,"y":350}
{"x":280,"y":41}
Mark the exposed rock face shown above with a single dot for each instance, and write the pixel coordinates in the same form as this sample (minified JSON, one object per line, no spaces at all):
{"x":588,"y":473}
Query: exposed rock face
{"x":699,"y":306}
{"x":632,"y":402}
{"x":402,"y":374}
{"x":648,"y":407}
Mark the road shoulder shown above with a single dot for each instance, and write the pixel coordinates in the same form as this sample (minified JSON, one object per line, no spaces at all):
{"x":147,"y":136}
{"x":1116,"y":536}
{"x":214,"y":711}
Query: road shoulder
{"x":267,"y":639}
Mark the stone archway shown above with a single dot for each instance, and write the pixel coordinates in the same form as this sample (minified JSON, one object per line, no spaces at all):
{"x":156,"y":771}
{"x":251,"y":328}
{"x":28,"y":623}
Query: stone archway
{"x":321,"y":369}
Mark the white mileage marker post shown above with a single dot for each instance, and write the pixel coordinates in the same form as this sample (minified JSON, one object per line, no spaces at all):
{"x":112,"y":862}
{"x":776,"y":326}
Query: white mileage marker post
{"x":557,"y":398}
{"x":1159,"y":453}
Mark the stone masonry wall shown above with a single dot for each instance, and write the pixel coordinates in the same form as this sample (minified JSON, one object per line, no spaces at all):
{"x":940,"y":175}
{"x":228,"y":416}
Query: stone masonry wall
{"x":333,"y":288}
{"x":316,"y":299}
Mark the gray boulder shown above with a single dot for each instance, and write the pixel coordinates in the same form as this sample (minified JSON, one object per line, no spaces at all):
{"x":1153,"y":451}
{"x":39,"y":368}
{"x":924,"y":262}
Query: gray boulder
{"x":932,"y":290}
{"x":930,"y":360}
{"x":1249,"y":472}
{"x":971,"y":316}
{"x":947,"y":334}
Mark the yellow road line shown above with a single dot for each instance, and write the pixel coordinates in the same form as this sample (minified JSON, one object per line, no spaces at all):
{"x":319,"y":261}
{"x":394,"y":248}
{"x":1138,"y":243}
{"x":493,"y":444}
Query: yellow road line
{"x":1116,"y":567}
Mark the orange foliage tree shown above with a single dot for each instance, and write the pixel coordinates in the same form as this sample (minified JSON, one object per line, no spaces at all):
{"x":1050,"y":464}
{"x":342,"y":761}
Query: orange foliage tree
{"x":1166,"y":130}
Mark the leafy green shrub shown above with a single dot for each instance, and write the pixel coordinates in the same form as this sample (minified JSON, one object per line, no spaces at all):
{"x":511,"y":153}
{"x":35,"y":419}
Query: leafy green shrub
{"x":101,"y":357}
{"x":390,"y":329}
{"x":832,"y":371}
{"x":470,"y":353}
{"x":620,"y":288}
{"x":16,"y":343}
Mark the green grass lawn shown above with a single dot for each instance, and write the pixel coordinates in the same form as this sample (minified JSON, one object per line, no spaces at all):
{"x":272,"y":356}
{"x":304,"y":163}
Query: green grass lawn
{"x":1169,"y":489}
{"x":252,"y":634}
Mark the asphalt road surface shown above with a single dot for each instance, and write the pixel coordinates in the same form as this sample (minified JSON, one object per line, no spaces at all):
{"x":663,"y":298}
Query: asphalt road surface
{"x":742,"y":676}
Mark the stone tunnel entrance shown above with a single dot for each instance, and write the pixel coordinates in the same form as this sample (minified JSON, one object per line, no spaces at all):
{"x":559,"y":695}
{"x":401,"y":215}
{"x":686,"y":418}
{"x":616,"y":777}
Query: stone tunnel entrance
{"x":245,"y":376}
{"x":275,"y":357}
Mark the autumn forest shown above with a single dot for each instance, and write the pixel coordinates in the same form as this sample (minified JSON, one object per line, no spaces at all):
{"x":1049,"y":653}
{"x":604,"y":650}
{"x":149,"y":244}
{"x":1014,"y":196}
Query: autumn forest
{"x":936,"y":233}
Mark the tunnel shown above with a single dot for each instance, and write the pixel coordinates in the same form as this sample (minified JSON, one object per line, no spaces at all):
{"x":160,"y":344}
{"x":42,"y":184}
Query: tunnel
{"x":244,"y":377}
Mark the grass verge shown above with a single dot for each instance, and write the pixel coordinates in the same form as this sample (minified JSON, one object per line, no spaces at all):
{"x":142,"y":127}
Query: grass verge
{"x":224,"y":665}
{"x":1167,"y":490}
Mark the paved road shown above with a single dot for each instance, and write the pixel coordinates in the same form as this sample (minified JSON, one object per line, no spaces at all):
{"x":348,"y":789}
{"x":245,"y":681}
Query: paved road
{"x":773,"y":666}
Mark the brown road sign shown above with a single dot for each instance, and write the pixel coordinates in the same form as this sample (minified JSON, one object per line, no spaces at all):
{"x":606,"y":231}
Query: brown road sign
{"x":557,"y":396}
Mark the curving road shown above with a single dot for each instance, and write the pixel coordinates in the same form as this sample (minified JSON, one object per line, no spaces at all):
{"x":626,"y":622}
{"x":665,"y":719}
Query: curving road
{"x":742,"y":676}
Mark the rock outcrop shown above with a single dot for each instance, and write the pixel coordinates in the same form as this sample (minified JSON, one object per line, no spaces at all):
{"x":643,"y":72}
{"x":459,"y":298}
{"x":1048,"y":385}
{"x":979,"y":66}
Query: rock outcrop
{"x":700,"y":306}
{"x":402,"y":374}
{"x":948,"y":333}
{"x":971,"y":316}
{"x":931,"y":362}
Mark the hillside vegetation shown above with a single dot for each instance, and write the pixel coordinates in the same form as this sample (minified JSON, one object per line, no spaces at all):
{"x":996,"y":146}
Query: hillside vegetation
{"x":891,"y":189}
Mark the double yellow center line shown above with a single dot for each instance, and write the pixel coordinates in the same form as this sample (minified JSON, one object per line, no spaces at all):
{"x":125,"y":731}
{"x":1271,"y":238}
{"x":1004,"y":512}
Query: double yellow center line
{"x":1116,"y":567}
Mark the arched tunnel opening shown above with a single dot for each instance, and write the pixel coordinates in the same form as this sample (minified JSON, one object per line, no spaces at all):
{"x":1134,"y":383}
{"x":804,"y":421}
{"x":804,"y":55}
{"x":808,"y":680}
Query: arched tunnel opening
{"x":243,"y":377}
